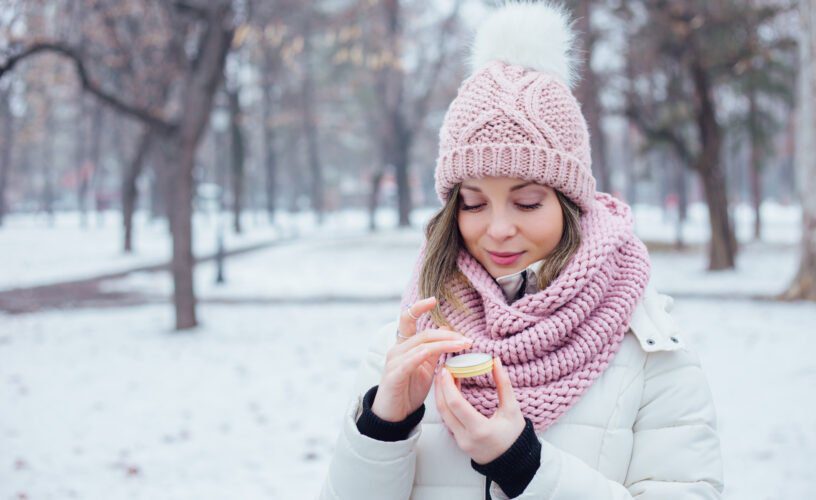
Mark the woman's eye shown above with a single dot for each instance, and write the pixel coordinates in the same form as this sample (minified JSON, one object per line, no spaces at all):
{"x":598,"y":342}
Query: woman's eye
{"x":529,"y":207}
{"x":472,"y":207}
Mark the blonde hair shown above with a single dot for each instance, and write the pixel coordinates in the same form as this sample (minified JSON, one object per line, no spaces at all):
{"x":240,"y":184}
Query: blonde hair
{"x":439,"y":272}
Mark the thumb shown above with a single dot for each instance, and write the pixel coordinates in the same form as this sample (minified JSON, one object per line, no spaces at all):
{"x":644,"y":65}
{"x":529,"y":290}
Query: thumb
{"x":504,"y":388}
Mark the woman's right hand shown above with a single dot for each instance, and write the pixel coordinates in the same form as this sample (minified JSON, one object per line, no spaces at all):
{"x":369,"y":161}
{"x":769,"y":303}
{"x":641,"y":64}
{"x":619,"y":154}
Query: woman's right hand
{"x":410,"y":364}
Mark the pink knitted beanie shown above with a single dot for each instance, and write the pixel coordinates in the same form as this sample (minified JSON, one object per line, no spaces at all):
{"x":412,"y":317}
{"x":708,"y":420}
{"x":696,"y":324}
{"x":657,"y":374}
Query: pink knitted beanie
{"x":515,"y":115}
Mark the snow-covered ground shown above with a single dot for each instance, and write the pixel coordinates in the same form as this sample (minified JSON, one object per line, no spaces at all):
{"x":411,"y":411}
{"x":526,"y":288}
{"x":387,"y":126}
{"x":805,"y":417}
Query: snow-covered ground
{"x":34,"y":252}
{"x":109,"y":403}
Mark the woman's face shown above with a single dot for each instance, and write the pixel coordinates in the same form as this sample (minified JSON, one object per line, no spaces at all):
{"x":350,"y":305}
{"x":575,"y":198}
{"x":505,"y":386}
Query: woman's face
{"x":519,"y":220}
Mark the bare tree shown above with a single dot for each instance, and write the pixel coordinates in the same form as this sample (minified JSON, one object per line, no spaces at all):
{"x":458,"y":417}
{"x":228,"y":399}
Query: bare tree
{"x":804,"y":284}
{"x":400,"y":109}
{"x":688,"y":50}
{"x":209,"y":29}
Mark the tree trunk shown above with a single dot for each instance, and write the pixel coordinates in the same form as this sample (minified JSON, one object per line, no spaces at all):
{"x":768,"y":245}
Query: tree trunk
{"x":682,"y":200}
{"x":237,"y":154}
{"x":804,"y":284}
{"x":756,"y":193}
{"x":48,"y":159}
{"x":400,"y":162}
{"x":722,"y":246}
{"x":180,"y":203}
{"x":199,"y":90}
{"x":310,"y":130}
{"x":629,"y":159}
{"x":396,"y":137}
{"x":81,"y":163}
{"x":754,"y":173}
{"x":94,"y":154}
{"x":373,"y":200}
{"x":130,"y":192}
{"x":720,"y":252}
{"x":159,"y":182}
{"x":5,"y":151}
{"x":587,"y":93}
{"x":270,"y":152}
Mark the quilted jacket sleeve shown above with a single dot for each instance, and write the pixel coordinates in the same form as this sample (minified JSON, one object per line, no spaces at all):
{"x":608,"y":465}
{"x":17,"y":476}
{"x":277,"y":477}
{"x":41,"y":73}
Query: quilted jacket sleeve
{"x":363,"y":467}
{"x":676,"y":449}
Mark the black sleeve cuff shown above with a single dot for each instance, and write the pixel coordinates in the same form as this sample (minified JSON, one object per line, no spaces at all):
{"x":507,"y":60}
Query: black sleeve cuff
{"x":514,"y":469}
{"x":374,"y":427}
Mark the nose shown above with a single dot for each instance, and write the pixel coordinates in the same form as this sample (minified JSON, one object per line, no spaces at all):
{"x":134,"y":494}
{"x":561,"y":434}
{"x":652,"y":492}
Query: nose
{"x":501,"y":226}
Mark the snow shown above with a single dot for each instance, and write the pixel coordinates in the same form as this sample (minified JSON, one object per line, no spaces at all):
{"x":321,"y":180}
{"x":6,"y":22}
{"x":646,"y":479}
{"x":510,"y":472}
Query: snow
{"x":110,"y":403}
{"x":37,"y":253}
{"x":781,"y":223}
{"x":40,"y":254}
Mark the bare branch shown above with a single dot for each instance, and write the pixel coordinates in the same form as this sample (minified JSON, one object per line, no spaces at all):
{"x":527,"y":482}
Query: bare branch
{"x":660,"y":133}
{"x":190,"y":8}
{"x":89,"y":85}
{"x":421,"y":105}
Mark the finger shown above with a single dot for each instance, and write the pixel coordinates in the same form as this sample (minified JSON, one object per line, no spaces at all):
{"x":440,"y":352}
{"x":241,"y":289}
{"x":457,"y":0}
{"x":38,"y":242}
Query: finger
{"x":407,"y":324}
{"x":429,"y":335}
{"x":410,"y":360}
{"x":504,"y":388}
{"x":458,"y":405}
{"x":454,"y":425}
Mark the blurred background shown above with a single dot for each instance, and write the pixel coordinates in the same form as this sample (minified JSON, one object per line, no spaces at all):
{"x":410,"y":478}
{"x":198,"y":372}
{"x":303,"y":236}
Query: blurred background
{"x":207,"y":208}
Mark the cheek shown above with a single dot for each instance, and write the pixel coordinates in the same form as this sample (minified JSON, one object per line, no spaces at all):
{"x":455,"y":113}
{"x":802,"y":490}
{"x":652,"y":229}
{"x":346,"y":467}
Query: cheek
{"x":471,"y":228}
{"x":548,"y":229}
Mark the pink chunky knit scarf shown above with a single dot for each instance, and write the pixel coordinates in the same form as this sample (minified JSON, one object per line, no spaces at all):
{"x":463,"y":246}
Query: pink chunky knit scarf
{"x":554,"y":343}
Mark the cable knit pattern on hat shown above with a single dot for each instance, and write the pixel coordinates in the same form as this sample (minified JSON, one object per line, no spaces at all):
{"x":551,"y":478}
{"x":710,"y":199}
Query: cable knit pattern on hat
{"x":554,"y":343}
{"x":509,"y":121}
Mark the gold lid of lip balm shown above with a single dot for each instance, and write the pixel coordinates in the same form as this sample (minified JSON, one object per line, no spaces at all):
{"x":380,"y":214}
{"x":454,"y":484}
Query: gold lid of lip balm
{"x":470,"y":364}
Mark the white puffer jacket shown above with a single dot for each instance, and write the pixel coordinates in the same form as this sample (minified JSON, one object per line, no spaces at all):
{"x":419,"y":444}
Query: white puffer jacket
{"x":645,"y":429}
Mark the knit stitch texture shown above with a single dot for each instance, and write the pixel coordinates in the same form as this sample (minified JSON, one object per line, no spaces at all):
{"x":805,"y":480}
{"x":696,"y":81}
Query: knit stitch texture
{"x":556,"y":342}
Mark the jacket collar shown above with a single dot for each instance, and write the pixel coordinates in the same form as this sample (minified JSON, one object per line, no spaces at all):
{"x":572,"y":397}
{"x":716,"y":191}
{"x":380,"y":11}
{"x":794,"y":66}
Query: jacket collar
{"x":653,"y":325}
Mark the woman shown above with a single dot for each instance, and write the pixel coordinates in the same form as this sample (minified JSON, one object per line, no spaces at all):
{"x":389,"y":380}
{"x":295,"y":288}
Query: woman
{"x":593,"y":393}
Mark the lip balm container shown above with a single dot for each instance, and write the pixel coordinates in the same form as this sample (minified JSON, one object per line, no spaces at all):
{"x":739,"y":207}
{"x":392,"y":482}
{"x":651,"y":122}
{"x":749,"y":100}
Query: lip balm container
{"x":469,"y":365}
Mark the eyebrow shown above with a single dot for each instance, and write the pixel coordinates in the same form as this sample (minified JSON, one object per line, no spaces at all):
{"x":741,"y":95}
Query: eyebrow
{"x":514,"y":188}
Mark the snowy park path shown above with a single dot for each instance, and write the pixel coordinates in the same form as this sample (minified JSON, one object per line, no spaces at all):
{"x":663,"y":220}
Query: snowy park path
{"x":89,"y":292}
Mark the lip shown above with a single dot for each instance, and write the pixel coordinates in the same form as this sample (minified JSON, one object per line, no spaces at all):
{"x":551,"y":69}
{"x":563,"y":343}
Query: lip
{"x":504,"y":258}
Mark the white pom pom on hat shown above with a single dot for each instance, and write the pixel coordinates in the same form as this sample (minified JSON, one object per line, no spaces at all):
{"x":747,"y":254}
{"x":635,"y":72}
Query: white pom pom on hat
{"x":535,"y":35}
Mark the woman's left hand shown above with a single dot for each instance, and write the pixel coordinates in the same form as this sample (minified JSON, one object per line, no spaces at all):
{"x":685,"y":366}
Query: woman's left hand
{"x":483,"y":439}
